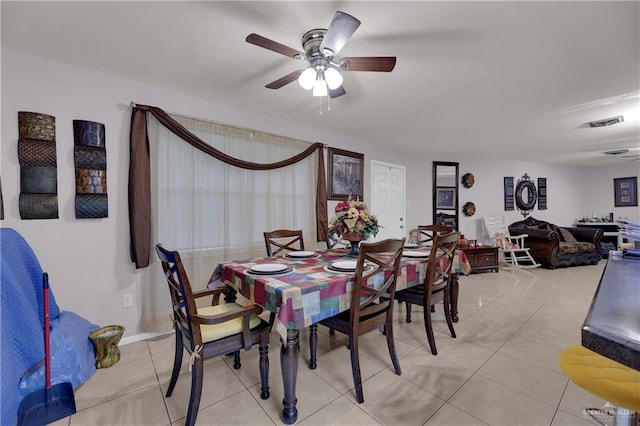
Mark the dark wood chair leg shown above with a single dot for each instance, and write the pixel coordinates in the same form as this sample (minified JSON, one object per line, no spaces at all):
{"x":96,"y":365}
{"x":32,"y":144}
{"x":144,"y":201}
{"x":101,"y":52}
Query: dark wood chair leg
{"x":196,"y":391}
{"x":355,"y":367}
{"x":313,"y":346}
{"x":264,"y":369}
{"x":447,"y":314}
{"x":177,"y":363}
{"x":454,"y":297}
{"x":388,"y":331}
{"x":236,"y":360}
{"x":408,"y":314}
{"x":429,"y":328}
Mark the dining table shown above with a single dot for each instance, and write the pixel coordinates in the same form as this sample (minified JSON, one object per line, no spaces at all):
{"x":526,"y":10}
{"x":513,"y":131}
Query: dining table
{"x":303,"y":288}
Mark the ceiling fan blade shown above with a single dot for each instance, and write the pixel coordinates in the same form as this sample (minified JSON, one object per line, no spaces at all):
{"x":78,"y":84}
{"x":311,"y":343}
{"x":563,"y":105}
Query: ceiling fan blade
{"x":274,"y":46}
{"x":283,"y":81}
{"x":368,"y":63}
{"x":337,"y":92}
{"x":338,"y":34}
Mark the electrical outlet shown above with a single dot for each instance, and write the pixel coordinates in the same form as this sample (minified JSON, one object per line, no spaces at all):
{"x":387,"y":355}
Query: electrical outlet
{"x":127,"y":300}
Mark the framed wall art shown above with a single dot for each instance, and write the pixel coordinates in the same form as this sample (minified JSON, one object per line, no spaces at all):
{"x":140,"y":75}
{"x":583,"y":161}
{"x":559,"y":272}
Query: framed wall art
{"x":446,"y":197}
{"x":346,"y":174}
{"x":625,"y":191}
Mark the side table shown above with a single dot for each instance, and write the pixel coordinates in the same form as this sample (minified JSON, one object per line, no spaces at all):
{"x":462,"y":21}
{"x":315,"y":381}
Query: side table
{"x":484,"y":258}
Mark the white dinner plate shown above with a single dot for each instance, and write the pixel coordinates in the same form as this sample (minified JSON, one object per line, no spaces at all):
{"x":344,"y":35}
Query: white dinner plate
{"x":301,"y":254}
{"x":411,"y":253}
{"x":345,"y":265}
{"x":268,"y":268}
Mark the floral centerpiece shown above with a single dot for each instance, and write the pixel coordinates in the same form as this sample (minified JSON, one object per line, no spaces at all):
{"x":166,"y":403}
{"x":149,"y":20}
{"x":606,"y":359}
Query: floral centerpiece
{"x":353,"y":222}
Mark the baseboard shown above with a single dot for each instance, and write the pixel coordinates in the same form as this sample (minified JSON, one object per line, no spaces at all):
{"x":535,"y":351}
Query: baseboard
{"x":140,"y":337}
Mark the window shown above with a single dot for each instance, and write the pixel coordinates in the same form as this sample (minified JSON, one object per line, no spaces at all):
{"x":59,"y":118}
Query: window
{"x":211,"y":211}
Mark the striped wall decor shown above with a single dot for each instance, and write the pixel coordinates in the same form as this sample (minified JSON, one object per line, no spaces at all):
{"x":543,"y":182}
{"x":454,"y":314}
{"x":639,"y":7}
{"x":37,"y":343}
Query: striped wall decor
{"x":90,"y":159}
{"x":38,"y":166}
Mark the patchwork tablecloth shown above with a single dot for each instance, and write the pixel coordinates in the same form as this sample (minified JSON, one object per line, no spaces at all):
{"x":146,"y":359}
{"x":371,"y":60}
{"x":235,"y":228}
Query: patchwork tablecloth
{"x":311,"y":292}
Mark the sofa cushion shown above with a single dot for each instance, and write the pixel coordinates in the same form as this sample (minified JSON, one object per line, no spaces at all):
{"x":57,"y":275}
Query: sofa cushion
{"x":567,"y":235}
{"x":575,"y":247}
{"x":543,"y":226}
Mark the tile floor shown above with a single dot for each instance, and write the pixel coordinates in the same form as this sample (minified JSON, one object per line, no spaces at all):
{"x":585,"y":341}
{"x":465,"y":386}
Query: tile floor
{"x":501,"y":370}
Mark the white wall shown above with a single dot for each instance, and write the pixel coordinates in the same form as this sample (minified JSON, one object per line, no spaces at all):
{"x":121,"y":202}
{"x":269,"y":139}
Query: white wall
{"x":599,"y":197}
{"x":88,"y":259}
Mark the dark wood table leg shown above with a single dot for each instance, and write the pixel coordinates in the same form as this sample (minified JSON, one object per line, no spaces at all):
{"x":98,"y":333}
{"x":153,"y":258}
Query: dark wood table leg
{"x":313,"y":345}
{"x":289,"y":354}
{"x":230,"y":295}
{"x":454,"y":297}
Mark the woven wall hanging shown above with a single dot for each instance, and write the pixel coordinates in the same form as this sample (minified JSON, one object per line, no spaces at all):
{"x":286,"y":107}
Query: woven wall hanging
{"x":542,"y":193}
{"x":508,"y":193}
{"x":38,"y":166}
{"x":90,"y":158}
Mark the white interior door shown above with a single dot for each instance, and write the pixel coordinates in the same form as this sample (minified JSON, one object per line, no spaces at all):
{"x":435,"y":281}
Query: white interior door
{"x":388,"y":199}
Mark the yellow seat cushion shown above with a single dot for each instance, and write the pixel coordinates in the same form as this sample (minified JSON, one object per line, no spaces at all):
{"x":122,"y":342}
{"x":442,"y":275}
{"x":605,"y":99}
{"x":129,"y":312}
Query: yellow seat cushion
{"x":229,"y":328}
{"x":601,"y":376}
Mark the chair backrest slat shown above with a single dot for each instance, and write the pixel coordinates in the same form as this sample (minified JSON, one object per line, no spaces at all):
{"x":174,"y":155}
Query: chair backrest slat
{"x":440,"y":263}
{"x":282,"y":241}
{"x":182,"y":300}
{"x":427,"y":232}
{"x":374,"y":289}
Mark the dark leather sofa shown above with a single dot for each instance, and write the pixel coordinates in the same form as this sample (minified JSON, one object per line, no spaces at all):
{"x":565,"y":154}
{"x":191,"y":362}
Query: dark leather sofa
{"x":554,"y":246}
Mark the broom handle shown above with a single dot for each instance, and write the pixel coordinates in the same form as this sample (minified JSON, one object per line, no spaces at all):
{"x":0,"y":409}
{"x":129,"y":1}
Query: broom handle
{"x":47,"y":367}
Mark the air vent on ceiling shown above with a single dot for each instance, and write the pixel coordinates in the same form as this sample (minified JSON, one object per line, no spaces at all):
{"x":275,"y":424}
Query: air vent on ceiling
{"x":616,"y":151}
{"x":606,"y":122}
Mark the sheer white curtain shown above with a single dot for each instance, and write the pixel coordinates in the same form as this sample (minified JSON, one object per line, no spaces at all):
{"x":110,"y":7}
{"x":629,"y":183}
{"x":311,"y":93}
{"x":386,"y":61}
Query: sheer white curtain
{"x":211,"y":212}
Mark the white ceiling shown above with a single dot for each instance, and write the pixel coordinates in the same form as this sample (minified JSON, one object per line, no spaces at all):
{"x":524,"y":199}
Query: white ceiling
{"x":506,"y":80}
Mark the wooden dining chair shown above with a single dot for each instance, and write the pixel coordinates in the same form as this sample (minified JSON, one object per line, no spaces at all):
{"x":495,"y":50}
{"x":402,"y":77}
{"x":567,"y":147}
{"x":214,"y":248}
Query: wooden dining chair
{"x":427,"y":232}
{"x":335,"y":241}
{"x":209,"y":331}
{"x":371,"y":305}
{"x":436,"y":286}
{"x":282,"y":241}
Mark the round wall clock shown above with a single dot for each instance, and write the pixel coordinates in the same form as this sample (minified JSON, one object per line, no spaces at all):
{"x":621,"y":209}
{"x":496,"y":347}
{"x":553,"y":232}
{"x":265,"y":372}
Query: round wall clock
{"x":469,"y":209}
{"x":468,"y":180}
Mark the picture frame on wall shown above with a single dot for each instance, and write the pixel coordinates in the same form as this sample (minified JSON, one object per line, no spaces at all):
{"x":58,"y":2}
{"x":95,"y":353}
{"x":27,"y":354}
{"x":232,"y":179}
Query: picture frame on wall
{"x":625,"y":191}
{"x":446,"y":197}
{"x":346,"y":174}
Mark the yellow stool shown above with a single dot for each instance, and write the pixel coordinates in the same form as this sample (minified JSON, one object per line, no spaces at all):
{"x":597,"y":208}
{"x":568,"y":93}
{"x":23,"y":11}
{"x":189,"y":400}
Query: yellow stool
{"x":603,"y":377}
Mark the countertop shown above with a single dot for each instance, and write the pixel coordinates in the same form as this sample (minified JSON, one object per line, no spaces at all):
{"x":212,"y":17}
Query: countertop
{"x":612,"y":326}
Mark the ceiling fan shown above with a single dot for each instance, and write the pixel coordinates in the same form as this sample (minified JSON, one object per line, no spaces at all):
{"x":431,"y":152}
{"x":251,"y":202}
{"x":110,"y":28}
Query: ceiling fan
{"x":320,"y":49}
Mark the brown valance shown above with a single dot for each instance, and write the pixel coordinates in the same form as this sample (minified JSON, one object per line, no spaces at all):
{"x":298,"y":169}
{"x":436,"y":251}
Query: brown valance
{"x":140,"y":177}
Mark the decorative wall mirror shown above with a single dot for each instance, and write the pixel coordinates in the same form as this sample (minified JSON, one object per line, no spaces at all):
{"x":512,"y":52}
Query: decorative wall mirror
{"x":526,"y":195}
{"x":445,"y":193}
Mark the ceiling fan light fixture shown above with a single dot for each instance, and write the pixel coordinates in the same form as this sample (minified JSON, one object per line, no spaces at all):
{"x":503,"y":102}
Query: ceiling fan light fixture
{"x":320,"y":88}
{"x":308,"y":78}
{"x":334,"y":78}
